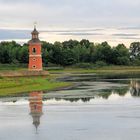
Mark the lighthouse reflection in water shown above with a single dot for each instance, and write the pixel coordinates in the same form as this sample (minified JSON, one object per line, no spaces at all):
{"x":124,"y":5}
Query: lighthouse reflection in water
{"x":36,"y":105}
{"x":36,"y":100}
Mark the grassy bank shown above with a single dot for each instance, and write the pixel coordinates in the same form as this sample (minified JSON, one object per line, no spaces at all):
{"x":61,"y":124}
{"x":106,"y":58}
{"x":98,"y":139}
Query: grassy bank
{"x":18,"y":85}
{"x":7,"y":67}
{"x":100,"y":70}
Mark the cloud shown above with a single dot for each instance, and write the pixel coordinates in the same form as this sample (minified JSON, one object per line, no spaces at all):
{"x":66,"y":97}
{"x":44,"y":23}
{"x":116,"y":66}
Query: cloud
{"x":80,"y":34}
{"x":91,"y":19}
{"x":69,"y":13}
{"x":14,"y":34}
{"x":131,"y":38}
{"x":71,"y":30}
{"x":129,"y":28}
{"x":123,"y":34}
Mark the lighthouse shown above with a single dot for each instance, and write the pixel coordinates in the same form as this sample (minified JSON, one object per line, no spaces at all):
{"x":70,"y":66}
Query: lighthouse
{"x":35,"y":55}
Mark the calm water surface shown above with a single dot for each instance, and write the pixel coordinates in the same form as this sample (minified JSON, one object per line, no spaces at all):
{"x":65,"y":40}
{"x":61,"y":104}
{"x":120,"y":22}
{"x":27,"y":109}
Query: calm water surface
{"x":103,"y":109}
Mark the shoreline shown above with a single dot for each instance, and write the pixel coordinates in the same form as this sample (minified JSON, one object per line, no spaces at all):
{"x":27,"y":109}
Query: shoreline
{"x":56,"y":80}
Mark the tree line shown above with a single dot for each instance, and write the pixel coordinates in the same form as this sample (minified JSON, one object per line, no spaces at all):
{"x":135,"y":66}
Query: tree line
{"x":73,"y":52}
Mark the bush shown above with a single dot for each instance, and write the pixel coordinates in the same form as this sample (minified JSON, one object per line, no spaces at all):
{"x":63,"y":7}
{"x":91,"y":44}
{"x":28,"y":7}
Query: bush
{"x":100,"y":64}
{"x":83,"y":65}
{"x":135,"y":62}
{"x":123,"y":61}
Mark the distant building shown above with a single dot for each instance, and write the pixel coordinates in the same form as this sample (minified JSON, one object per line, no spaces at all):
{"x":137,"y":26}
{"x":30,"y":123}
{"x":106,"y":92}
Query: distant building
{"x":35,"y":55}
{"x":36,"y":107}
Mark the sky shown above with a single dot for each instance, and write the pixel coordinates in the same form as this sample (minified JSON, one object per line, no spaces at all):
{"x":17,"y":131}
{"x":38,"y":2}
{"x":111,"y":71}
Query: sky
{"x":115,"y":21}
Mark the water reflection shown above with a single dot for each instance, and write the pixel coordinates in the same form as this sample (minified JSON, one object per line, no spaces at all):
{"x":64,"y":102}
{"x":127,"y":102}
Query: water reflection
{"x":135,"y":88}
{"x":132,"y":89}
{"x":36,"y":105}
{"x":76,"y":99}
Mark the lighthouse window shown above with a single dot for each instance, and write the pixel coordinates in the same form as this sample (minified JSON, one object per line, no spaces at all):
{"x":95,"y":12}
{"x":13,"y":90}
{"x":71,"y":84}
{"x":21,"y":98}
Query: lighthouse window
{"x":35,"y":36}
{"x":34,"y":66}
{"x":34,"y":59}
{"x":34,"y":50}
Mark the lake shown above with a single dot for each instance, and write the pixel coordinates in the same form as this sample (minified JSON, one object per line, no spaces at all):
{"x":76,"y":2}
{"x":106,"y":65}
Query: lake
{"x":96,"y":108}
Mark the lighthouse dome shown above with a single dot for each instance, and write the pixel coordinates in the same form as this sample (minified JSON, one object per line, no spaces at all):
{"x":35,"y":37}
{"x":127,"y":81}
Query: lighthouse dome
{"x":35,"y":31}
{"x":35,"y":38}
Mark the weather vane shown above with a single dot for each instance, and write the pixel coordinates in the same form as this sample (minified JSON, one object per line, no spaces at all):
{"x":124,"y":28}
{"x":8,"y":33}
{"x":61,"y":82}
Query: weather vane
{"x":35,"y":23}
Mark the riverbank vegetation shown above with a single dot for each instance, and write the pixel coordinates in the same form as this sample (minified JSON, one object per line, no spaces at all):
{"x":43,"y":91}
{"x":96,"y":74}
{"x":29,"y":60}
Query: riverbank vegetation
{"x":19,"y":85}
{"x":73,"y":52}
{"x":96,"y":70}
{"x":63,"y":58}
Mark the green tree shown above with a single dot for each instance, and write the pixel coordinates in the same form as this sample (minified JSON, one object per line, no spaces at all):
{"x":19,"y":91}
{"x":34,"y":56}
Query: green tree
{"x":135,"y":50}
{"x":121,"y":55}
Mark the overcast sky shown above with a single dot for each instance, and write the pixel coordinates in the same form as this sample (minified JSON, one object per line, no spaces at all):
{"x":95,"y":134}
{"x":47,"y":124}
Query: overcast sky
{"x":115,"y":21}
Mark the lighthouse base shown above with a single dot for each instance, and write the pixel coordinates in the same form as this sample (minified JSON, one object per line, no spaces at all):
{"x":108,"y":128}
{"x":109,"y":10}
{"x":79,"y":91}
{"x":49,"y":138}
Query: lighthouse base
{"x":23,"y":73}
{"x":35,"y":70}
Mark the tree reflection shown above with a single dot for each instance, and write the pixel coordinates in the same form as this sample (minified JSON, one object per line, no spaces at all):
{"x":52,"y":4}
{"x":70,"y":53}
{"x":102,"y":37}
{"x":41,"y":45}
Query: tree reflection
{"x":35,"y":102}
{"x":135,"y":88}
{"x":83,"y":99}
{"x":36,"y":98}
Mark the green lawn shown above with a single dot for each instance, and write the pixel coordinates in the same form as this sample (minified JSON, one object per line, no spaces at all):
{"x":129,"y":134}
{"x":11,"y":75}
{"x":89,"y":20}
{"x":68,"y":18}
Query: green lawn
{"x":10,"y":86}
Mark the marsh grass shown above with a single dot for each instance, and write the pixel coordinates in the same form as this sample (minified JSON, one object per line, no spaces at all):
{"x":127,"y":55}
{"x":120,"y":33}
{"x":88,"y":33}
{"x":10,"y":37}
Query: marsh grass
{"x":106,"y":70}
{"x":9,"y":86}
{"x":7,"y":67}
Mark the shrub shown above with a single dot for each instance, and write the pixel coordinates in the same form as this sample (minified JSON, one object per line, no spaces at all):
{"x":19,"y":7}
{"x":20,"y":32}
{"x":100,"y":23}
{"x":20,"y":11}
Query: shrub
{"x":135,"y":62}
{"x":83,"y":65}
{"x":100,"y":64}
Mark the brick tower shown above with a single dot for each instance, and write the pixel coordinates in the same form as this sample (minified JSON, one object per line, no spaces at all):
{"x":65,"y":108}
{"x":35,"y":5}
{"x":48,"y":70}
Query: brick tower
{"x":35,"y":55}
